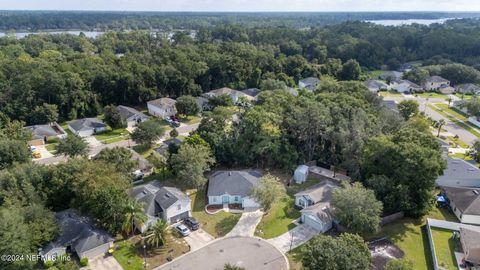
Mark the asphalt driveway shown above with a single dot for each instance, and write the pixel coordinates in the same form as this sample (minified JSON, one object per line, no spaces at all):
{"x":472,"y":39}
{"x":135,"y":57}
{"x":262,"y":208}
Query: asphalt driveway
{"x":247,"y":252}
{"x":198,"y":239}
{"x":295,"y":237}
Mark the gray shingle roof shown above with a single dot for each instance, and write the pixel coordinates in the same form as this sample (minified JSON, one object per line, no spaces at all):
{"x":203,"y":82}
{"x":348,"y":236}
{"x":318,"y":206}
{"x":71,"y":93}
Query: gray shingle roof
{"x":375,"y":84}
{"x":470,"y":240}
{"x":77,"y":232}
{"x":310,"y":81}
{"x":436,"y":79}
{"x":467,"y":88}
{"x":157,"y":198}
{"x":466,"y":200}
{"x":41,"y":131}
{"x":233,"y":182}
{"x":162,"y":102}
{"x":128,"y":112}
{"x":320,"y":193}
{"x":459,"y":173}
{"x":253,"y":92}
{"x":86,"y":124}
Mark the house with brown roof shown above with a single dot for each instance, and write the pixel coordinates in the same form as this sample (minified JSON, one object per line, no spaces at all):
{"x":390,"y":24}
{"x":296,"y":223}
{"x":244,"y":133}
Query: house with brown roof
{"x":464,"y":202}
{"x":315,"y":205}
{"x":470,"y":240}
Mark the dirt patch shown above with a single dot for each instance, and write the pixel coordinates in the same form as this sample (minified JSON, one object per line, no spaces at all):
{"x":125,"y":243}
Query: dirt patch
{"x":383,"y":250}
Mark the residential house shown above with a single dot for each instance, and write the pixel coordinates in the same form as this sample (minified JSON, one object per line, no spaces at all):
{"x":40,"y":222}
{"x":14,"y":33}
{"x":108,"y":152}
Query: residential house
{"x":160,"y":202}
{"x":77,"y":235}
{"x":459,"y":173}
{"x":433,"y":83}
{"x":468,"y":89}
{"x":391,"y":76}
{"x":233,"y":187}
{"x":465,"y":203}
{"x":202,"y":103}
{"x":233,"y":94}
{"x":87,"y":126}
{"x":132,"y":116}
{"x":446,"y":89}
{"x":163,"y":148}
{"x":376,"y":85}
{"x":253,"y":92}
{"x":310,"y":83}
{"x":162,"y":107}
{"x":315,"y":205}
{"x":470,"y":240}
{"x":42,"y":133}
{"x":405,"y":86}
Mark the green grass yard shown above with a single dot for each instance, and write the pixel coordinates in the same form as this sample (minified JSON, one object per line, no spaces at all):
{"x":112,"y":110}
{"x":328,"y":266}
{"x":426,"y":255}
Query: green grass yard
{"x":217,"y":225}
{"x":279,"y":219}
{"x":390,"y":94}
{"x":112,"y":135}
{"x":408,"y":234}
{"x":445,"y":247}
{"x":432,"y":95}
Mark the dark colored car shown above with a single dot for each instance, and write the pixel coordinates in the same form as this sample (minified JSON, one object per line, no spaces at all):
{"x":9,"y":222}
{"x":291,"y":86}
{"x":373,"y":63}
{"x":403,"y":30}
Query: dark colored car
{"x":192,"y":223}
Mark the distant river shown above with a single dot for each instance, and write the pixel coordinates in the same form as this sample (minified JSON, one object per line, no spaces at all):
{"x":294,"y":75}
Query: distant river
{"x":409,"y":21}
{"x":91,"y":34}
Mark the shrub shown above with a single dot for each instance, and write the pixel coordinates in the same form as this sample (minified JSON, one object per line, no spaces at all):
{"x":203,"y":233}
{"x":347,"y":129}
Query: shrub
{"x":83,"y":262}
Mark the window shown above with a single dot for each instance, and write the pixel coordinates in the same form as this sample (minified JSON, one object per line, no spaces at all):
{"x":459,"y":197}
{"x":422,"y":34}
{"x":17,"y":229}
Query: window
{"x":214,"y":199}
{"x":179,"y":207}
{"x":237,"y":198}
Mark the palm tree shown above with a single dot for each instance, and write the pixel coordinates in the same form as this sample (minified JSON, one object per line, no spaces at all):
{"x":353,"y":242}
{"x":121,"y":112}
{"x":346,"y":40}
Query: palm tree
{"x":134,"y":215}
{"x":440,"y":124}
{"x":159,"y":233}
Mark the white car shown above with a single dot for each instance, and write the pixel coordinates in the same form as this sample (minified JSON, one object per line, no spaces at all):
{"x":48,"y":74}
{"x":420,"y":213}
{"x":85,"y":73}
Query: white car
{"x":183,"y":230}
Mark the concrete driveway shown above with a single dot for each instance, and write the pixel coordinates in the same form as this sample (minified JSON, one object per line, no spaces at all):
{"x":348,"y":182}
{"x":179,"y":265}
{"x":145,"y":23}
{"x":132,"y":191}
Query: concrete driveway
{"x":92,"y":142}
{"x":301,"y":234}
{"x":198,"y":239}
{"x":247,"y":224}
{"x":104,"y":263}
{"x":43,"y":151}
{"x":246,"y":252}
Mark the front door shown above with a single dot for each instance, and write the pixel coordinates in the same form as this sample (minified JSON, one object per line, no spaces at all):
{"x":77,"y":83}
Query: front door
{"x":225,"y":199}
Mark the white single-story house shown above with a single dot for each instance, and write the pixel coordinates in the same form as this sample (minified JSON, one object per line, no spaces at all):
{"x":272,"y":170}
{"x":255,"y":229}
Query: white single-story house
{"x":162,"y":107}
{"x":464,"y":202}
{"x":160,"y":202}
{"x":310,"y":83}
{"x":132,"y":116}
{"x":79,"y":236}
{"x":87,"y":126}
{"x":301,"y":174}
{"x":403,"y":86}
{"x":315,"y":205}
{"x":233,"y":187}
{"x":42,"y":133}
{"x":376,"y":85}
{"x":232,"y":93}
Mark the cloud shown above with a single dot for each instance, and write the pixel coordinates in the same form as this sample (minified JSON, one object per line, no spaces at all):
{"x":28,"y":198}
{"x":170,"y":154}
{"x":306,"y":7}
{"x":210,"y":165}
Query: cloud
{"x":245,"y":5}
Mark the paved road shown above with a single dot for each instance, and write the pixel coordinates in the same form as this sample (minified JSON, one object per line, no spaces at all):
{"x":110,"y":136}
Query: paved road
{"x":246,"y":224}
{"x":451,"y":127}
{"x":293,"y":238}
{"x":247,"y":252}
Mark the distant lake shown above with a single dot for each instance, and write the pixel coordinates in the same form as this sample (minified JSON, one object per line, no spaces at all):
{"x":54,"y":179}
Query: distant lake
{"x":409,"y":21}
{"x":90,"y":34}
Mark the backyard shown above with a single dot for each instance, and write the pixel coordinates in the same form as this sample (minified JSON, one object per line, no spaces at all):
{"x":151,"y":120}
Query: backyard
{"x":445,"y":246}
{"x":408,"y":234}
{"x":218,"y":224}
{"x":129,"y":253}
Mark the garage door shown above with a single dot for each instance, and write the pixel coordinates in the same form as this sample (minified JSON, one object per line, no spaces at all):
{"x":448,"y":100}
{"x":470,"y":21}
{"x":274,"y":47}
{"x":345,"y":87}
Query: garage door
{"x":179,"y":217}
{"x":249,"y":202}
{"x":314,"y":223}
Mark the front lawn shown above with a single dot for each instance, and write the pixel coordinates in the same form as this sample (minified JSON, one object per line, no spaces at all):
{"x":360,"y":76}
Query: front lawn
{"x":410,"y":235}
{"x":130,"y":253}
{"x":217,"y":225}
{"x":279,"y":219}
{"x":143,"y":150}
{"x":112,"y":135}
{"x":445,"y":246}
{"x":389,"y":94}
{"x":432,"y":95}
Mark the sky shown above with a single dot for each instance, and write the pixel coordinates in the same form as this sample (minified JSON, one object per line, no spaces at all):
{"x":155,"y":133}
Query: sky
{"x":244,"y":5}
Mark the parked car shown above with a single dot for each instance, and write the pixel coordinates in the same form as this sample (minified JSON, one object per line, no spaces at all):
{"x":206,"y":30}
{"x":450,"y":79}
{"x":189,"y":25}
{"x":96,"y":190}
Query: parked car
{"x":183,"y":230}
{"x":192,"y":223}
